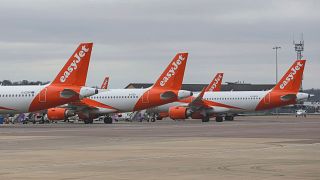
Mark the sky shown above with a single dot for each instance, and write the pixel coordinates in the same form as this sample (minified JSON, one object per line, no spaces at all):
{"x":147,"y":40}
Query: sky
{"x":135,"y":40}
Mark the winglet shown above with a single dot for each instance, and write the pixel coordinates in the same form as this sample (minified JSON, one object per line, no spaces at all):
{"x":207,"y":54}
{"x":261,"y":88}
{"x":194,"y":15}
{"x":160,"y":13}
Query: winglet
{"x":291,"y":81}
{"x":172,"y":76}
{"x":105,"y":83}
{"x":215,"y":84}
{"x":75,"y":70}
{"x":198,"y":100}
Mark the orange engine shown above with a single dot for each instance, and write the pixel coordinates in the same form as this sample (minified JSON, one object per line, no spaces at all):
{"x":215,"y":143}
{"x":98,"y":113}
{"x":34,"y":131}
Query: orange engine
{"x":58,"y":113}
{"x":178,"y":112}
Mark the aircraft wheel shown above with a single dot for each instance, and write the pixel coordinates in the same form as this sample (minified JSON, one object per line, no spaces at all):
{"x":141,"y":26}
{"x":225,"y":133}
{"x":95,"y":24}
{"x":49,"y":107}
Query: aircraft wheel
{"x":88,"y":121}
{"x":206,"y":119}
{"x":219,"y":119}
{"x":107,"y":120}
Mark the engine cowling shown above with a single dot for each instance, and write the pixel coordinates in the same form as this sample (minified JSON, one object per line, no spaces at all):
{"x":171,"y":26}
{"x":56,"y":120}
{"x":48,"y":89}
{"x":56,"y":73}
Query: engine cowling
{"x":59,"y":113}
{"x":184,"y":94}
{"x":178,"y":112}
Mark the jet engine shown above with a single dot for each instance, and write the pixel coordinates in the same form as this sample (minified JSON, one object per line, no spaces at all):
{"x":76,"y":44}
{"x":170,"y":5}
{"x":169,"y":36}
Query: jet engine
{"x":178,"y":112}
{"x":59,"y":113}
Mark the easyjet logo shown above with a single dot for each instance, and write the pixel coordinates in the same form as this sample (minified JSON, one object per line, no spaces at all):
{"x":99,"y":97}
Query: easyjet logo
{"x":216,"y":81}
{"x":172,"y":71}
{"x":105,"y":83}
{"x":291,"y":75}
{"x":73,"y":66}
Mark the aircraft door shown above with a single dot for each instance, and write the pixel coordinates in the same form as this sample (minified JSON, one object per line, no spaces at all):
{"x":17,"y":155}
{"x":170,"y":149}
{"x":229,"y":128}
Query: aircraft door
{"x":145,"y":97}
{"x":43,"y":95}
{"x":267,"y":99}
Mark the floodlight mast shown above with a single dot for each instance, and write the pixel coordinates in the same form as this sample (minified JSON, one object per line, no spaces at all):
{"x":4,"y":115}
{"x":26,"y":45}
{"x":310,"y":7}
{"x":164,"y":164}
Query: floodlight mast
{"x":299,"y":48}
{"x":276,"y":48}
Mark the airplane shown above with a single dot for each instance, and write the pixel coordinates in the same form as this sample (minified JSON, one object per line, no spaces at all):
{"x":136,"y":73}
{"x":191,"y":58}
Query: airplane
{"x":165,"y":90}
{"x":204,"y":105}
{"x":215,"y":85}
{"x":105,"y":83}
{"x":68,"y":86}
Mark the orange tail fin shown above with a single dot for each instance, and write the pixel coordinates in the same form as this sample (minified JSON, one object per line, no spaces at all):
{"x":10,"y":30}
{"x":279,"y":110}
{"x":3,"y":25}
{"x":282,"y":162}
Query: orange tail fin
{"x":75,"y":70}
{"x":291,"y":81}
{"x":215,"y":84}
{"x":172,"y":76}
{"x":105,"y":83}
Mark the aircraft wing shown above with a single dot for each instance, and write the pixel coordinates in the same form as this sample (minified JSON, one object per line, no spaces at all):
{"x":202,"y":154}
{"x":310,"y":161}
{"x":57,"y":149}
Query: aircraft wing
{"x":89,"y":104}
{"x":198,"y":103}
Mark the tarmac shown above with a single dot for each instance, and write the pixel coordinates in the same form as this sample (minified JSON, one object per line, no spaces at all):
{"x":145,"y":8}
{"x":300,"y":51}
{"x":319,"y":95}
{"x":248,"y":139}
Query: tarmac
{"x":267,"y":147}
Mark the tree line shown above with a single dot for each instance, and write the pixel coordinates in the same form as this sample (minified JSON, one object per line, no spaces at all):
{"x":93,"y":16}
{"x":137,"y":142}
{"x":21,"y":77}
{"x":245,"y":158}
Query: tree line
{"x":23,"y":82}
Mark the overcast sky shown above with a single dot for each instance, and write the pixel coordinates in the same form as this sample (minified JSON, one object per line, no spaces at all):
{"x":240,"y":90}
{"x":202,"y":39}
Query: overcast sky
{"x":135,"y":40}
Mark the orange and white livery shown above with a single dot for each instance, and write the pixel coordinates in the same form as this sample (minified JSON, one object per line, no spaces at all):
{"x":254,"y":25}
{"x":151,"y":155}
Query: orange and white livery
{"x":165,"y":90}
{"x":215,"y":84}
{"x":68,"y":86}
{"x":207,"y":104}
{"x":105,"y":83}
{"x":163,"y":111}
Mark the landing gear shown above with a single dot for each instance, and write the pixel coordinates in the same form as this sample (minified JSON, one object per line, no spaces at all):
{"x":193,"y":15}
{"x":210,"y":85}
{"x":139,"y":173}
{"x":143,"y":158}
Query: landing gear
{"x":151,"y":118}
{"x":219,"y":118}
{"x":206,"y":119}
{"x":88,"y":121}
{"x":229,"y":118}
{"x":107,"y":120}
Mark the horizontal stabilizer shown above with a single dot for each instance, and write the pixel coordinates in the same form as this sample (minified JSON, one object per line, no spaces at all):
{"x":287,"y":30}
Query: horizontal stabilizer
{"x":168,"y":95}
{"x":68,"y":93}
{"x":288,"y":97}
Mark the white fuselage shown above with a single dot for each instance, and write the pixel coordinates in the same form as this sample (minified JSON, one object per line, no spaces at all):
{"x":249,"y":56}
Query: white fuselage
{"x":121,"y":100}
{"x":229,"y":101}
{"x":17,"y":99}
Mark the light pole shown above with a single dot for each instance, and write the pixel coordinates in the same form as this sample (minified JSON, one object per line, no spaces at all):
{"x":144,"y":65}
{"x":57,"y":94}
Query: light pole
{"x":276,"y":48}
